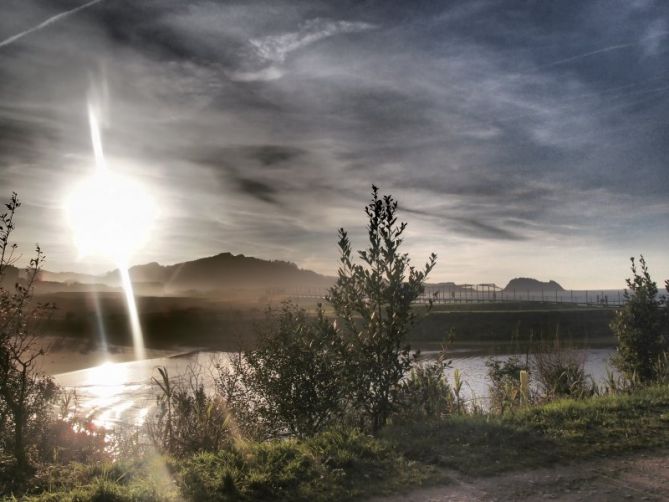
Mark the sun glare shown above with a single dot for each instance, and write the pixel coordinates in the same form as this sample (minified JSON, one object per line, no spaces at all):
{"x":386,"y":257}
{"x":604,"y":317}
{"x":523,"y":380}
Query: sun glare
{"x":110,"y":215}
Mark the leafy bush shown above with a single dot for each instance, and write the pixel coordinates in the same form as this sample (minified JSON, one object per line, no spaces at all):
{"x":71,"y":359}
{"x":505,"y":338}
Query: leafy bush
{"x":293,"y":382}
{"x":641,"y":327}
{"x":426,"y":393}
{"x":73,"y":440}
{"x":373,"y":300}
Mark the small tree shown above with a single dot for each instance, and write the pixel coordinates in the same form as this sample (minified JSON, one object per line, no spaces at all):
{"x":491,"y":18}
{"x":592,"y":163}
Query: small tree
{"x":640,"y":326}
{"x":374,"y":300}
{"x":25,"y":394}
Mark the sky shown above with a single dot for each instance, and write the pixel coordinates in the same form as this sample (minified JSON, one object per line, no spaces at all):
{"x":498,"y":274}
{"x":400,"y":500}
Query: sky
{"x":521,"y":138}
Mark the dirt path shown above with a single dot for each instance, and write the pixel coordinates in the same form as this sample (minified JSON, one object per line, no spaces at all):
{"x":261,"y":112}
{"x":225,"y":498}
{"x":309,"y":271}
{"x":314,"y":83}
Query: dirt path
{"x":637,"y":477}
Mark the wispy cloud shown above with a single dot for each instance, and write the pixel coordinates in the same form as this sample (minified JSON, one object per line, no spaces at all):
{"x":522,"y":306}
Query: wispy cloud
{"x":46,"y":23}
{"x":654,"y":37}
{"x":272,"y":50}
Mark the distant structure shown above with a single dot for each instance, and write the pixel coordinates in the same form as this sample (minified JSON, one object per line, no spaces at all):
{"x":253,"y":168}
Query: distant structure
{"x":531,"y":285}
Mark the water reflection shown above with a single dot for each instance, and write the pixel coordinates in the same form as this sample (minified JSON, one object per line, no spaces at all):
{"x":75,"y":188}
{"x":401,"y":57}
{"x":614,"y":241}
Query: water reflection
{"x":115,"y":393}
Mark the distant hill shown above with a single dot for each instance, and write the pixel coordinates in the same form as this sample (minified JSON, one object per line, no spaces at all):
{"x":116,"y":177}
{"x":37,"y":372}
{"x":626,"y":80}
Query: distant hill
{"x":227,"y":271}
{"x":222,"y":272}
{"x":532,"y":285}
{"x":68,"y":277}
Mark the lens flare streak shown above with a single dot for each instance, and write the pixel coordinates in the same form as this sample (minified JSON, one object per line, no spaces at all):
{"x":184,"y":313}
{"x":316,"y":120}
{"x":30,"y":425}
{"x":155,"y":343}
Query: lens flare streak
{"x":135,"y":326}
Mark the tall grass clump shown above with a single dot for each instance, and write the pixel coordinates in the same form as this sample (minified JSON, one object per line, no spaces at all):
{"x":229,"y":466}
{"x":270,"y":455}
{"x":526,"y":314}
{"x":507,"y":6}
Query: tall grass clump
{"x":187,"y":419}
{"x":560,"y":371}
{"x":509,"y":384}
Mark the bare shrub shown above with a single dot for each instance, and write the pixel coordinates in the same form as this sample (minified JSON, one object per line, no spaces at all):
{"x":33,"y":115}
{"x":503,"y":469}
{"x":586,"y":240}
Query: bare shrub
{"x":26,"y":395}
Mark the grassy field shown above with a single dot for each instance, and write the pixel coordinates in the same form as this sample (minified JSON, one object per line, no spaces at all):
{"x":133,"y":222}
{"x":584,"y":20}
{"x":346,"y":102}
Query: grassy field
{"x":560,"y":431}
{"x":345,"y":464}
{"x":518,"y":322}
{"x":219,"y":325}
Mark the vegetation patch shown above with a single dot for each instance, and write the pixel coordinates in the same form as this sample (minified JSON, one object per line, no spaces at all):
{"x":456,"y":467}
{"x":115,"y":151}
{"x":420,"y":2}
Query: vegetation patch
{"x":560,"y":431}
{"x":334,"y":406}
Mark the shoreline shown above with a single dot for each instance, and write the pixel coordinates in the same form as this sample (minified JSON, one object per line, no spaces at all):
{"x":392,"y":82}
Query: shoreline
{"x":66,"y":354}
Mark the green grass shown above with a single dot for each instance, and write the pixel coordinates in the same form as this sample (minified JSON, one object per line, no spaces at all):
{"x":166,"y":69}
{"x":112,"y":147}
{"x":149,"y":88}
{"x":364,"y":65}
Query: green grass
{"x":509,"y":324}
{"x":561,"y":431}
{"x":335,"y":465}
{"x":605,"y":425}
{"x":472,"y":445}
{"x":146,"y":479}
{"x":346,"y":464}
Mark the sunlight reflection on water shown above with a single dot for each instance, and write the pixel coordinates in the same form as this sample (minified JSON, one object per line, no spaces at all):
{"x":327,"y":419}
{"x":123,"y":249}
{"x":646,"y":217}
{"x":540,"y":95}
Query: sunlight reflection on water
{"x":114,"y":393}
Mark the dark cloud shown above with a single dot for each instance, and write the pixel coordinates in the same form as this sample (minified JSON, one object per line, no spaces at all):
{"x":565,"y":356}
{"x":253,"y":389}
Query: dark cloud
{"x":472,"y":227}
{"x":262,"y":155}
{"x":481,"y":230}
{"x":258,"y":189}
{"x":270,"y":155}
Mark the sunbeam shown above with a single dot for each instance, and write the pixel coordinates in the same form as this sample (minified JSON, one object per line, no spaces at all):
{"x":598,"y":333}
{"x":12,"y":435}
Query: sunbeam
{"x":111,"y":216}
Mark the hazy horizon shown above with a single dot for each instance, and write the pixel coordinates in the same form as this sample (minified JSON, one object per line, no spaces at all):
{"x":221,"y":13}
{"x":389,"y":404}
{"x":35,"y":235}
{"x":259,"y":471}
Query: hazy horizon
{"x":520,"y":141}
{"x":87,"y":270}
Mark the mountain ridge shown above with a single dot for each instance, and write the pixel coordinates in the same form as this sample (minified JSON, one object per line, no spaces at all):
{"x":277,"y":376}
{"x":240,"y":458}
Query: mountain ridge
{"x":221,"y":271}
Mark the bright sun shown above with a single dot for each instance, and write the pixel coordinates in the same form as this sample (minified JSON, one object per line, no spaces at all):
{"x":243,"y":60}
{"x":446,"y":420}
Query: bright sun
{"x":110,"y":215}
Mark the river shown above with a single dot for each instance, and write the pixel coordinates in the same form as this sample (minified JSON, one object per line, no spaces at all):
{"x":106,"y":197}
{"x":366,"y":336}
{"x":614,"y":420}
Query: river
{"x":114,"y":393}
